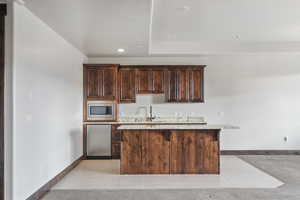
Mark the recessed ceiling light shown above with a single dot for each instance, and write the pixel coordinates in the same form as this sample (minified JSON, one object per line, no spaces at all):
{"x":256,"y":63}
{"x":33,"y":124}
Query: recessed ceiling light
{"x":121,"y":50}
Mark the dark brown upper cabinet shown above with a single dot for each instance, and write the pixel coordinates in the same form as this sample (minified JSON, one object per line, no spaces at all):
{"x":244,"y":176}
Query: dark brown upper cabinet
{"x":185,"y":84}
{"x":177,"y":86}
{"x":180,"y":84}
{"x":158,"y":81}
{"x":127,"y":85}
{"x":100,"y":82}
{"x":150,"y":81}
{"x":144,"y":79}
{"x":92,"y":82}
{"x":109,"y":83}
{"x":196,"y":85}
{"x":171,"y":86}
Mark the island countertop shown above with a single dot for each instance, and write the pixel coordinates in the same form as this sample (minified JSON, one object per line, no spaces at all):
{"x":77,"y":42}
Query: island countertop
{"x":145,"y":123}
{"x":176,"y":127}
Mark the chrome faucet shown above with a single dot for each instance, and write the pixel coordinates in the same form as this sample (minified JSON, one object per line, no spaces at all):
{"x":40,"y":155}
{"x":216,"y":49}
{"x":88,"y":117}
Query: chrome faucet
{"x":151,"y":117}
{"x":148,"y":117}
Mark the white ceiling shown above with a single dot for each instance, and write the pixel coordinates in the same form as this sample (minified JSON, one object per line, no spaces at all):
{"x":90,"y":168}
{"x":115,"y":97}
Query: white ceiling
{"x":225,"y":26}
{"x":173,"y":27}
{"x":98,"y":27}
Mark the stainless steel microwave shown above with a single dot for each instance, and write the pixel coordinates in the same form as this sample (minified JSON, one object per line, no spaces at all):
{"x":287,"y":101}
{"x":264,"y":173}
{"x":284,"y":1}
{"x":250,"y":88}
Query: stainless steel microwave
{"x":101,"y":110}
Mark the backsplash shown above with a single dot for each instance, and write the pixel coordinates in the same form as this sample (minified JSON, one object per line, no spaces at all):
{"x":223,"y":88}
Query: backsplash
{"x":184,"y":112}
{"x":212,"y":111}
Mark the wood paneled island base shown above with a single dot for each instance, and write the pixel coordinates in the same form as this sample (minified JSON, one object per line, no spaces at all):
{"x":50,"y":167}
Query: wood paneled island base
{"x":170,"y":151}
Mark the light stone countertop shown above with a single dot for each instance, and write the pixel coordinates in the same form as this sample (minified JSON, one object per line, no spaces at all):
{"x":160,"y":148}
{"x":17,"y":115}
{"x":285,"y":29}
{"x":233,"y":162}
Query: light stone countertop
{"x":177,"y":127}
{"x":147,"y":123}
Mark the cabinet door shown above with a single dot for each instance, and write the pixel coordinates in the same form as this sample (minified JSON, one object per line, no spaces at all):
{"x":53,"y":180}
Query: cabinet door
{"x":144,"y":81}
{"x":131,"y":152}
{"x":182,"y":86}
{"x":171,"y":86}
{"x":194,"y":153}
{"x":177,"y":86}
{"x":127,"y":85}
{"x":158,"y":81}
{"x":150,"y":81}
{"x":109,"y":83}
{"x":115,"y":149}
{"x":101,"y":82}
{"x":145,"y":152}
{"x":92,"y":82}
{"x":115,"y":142}
{"x":185,"y":156}
{"x":156,"y":153}
{"x":196,"y":86}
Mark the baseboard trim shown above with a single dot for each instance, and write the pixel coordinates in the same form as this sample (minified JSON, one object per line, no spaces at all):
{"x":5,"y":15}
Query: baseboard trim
{"x":98,"y":158}
{"x":260,"y":152}
{"x":46,"y":188}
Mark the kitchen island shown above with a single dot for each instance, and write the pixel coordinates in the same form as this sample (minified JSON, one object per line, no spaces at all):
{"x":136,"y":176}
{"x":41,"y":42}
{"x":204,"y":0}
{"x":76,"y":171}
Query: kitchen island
{"x":170,"y":149}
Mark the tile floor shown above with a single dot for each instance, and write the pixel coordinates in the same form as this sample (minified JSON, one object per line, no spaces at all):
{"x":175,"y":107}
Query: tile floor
{"x":104,"y":174}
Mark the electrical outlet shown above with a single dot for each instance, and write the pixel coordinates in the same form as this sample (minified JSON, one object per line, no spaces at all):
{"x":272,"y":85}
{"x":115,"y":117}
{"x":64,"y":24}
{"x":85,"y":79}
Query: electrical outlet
{"x":285,"y":138}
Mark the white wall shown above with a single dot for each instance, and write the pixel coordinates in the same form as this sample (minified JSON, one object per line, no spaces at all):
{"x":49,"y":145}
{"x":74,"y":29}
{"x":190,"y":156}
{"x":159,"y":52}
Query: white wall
{"x":8,"y":118}
{"x":47,"y":103}
{"x":259,"y":93}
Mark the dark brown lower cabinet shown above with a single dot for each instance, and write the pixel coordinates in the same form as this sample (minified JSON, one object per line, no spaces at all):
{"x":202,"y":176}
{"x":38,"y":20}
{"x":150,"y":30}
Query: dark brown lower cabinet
{"x":194,"y":153}
{"x":170,"y":152}
{"x":115,"y":142}
{"x":147,"y":152}
{"x":131,"y":161}
{"x":156,"y":153}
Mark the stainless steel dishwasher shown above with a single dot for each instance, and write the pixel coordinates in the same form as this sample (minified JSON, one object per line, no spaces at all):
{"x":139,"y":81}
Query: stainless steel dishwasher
{"x":99,"y":140}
